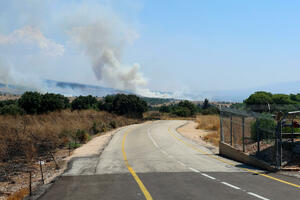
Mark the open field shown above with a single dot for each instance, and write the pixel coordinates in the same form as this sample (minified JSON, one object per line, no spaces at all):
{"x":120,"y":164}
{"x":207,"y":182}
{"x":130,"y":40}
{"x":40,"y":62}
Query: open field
{"x":26,"y":139}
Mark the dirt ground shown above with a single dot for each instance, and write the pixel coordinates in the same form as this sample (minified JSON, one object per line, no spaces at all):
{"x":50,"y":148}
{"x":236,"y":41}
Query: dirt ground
{"x":190,"y":131}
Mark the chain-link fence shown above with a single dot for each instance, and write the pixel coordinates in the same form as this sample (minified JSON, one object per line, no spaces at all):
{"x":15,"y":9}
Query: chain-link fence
{"x":259,"y":135}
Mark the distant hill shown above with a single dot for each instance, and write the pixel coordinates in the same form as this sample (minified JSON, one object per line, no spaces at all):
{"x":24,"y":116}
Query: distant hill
{"x":77,"y":89}
{"x":65,"y":88}
{"x":157,"y":101}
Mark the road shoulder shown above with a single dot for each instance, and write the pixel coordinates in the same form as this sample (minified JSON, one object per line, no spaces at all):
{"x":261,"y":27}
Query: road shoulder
{"x":190,"y":131}
{"x":91,"y":149}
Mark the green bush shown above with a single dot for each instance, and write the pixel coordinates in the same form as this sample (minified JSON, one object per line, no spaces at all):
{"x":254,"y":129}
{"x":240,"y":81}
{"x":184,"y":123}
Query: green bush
{"x":30,"y":102}
{"x":265,"y":127}
{"x":189,"y":105}
{"x":182,"y":112}
{"x":82,"y":136}
{"x":94,"y":129}
{"x":11,"y":109}
{"x":84,"y":102}
{"x":8,"y":102}
{"x":74,"y":145}
{"x":52,"y":102}
{"x":210,"y":111}
{"x":165,"y":109}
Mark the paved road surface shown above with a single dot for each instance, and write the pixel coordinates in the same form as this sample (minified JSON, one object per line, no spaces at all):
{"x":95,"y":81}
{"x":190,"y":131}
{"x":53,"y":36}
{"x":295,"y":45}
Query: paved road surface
{"x":153,"y":161}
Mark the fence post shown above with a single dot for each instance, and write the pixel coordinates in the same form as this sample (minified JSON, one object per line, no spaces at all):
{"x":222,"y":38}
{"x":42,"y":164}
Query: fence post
{"x":231,"y":129}
{"x":30,"y":187}
{"x":258,"y":136}
{"x":293,"y":131}
{"x":221,"y":126}
{"x":41,"y":168}
{"x":243,"y":132}
{"x":278,"y":145}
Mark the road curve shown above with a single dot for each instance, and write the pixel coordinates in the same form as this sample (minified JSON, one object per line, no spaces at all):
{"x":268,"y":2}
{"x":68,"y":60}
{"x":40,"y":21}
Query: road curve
{"x":152,"y":161}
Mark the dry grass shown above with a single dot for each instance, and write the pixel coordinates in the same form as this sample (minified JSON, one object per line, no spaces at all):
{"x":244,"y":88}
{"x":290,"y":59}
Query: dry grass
{"x":20,"y":134}
{"x":19,"y":195}
{"x":210,"y":123}
{"x":24,"y":138}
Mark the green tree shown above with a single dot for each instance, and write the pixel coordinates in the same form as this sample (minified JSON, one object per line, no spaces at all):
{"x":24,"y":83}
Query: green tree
{"x":130,"y":105}
{"x":84,"y":102}
{"x":265,"y":127}
{"x":182,"y":111}
{"x":30,"y":102}
{"x":52,"y":102}
{"x":259,"y":101}
{"x":205,"y":104}
{"x":189,"y":105}
{"x":165,"y":109}
{"x":281,"y":99}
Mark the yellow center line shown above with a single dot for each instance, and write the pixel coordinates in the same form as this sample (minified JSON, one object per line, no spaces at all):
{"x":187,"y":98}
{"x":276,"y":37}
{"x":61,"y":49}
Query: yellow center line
{"x":229,"y":163}
{"x":135,"y":176}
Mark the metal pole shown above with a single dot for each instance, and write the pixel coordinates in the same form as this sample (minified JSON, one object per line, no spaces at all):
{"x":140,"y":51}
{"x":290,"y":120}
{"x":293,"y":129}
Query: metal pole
{"x":231,"y":130}
{"x":243,"y":132}
{"x":221,"y":126}
{"x":280,"y":145}
{"x":258,"y":135}
{"x":41,"y":168}
{"x":293,"y":130}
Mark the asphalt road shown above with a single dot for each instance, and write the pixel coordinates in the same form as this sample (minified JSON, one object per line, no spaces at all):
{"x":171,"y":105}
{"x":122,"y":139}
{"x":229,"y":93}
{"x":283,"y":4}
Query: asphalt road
{"x":153,"y":161}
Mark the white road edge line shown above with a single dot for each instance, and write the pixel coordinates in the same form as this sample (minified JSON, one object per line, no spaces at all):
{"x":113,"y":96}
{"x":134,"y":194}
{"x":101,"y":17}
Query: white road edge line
{"x":181,"y":163}
{"x":151,"y":138}
{"x":208,"y":176}
{"x":235,"y":187}
{"x":164,"y":152}
{"x":194,"y":170}
{"x":258,"y":196}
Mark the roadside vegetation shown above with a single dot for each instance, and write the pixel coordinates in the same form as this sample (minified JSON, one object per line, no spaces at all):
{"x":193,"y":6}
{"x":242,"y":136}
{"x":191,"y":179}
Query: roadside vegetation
{"x":205,"y":114}
{"x":210,"y":123}
{"x":189,"y":109}
{"x":40,"y":122}
{"x":37,"y":126}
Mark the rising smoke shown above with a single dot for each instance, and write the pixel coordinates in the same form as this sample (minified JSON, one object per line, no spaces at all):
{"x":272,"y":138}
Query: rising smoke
{"x":103,"y":45}
{"x":91,"y":28}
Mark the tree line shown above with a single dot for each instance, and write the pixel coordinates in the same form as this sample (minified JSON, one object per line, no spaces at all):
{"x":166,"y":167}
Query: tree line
{"x":37,"y":103}
{"x":189,"y":109}
{"x":267,"y":102}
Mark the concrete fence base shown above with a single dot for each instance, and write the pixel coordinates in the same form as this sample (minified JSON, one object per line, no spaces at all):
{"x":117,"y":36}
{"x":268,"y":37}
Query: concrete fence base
{"x":228,"y":151}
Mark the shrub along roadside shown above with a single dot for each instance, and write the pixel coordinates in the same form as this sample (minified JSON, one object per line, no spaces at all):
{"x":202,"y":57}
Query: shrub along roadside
{"x":189,"y":109}
{"x":29,"y":135}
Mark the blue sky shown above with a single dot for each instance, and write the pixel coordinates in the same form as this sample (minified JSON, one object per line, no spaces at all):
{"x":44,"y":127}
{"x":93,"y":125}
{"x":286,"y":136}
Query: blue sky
{"x":191,"y":46}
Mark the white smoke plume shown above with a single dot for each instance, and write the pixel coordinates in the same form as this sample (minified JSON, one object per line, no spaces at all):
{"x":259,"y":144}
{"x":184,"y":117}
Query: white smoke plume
{"x":89,"y":26}
{"x":103,"y":44}
{"x":32,"y":37}
{"x":28,"y":40}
